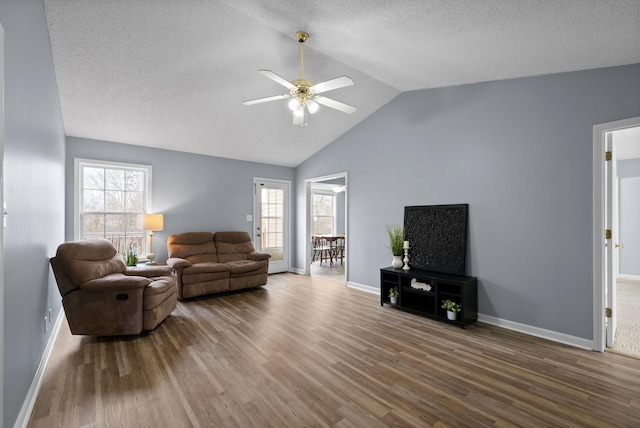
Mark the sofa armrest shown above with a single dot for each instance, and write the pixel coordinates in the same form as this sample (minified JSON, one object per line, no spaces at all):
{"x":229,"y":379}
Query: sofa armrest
{"x":115,"y":282}
{"x":148,"y":271}
{"x":178,"y":263}
{"x":255,"y":255}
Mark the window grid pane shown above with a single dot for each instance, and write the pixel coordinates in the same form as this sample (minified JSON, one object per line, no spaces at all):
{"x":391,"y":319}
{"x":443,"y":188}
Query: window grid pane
{"x":112,"y":203}
{"x":272,"y":222}
{"x":323,"y":218}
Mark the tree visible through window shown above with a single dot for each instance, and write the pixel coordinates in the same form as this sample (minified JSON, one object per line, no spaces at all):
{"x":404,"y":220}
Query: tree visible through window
{"x":272,"y":228}
{"x":323,"y":213}
{"x":111,"y":201}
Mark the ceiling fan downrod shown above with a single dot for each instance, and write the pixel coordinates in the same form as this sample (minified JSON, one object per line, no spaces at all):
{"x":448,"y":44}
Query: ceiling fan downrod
{"x":302,"y":37}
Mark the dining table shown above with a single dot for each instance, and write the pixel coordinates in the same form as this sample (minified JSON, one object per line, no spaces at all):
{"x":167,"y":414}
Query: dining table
{"x":336,"y":249}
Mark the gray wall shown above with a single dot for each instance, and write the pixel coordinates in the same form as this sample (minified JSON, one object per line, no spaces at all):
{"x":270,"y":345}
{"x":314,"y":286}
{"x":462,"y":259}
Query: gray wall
{"x":194,"y":192}
{"x":629,"y":215}
{"x":519,"y":152}
{"x":34,"y":193}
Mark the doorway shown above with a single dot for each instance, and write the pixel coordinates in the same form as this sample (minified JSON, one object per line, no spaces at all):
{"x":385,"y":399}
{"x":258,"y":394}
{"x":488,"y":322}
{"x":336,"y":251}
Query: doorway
{"x":271,"y":226}
{"x":627,"y":281}
{"x":330,"y":260}
{"x":609,"y":142}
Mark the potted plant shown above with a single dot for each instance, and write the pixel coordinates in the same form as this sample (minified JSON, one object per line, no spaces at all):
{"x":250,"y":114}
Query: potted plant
{"x":452,"y":309}
{"x":393,"y":295}
{"x":132,"y":256}
{"x":396,"y":241}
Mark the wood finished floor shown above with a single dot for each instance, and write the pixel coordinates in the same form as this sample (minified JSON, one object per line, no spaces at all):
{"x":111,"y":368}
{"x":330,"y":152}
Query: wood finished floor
{"x":306,"y":351}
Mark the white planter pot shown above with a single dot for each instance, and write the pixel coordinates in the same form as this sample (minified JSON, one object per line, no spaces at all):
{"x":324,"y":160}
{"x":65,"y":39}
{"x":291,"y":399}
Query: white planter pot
{"x":452,"y":316}
{"x":397,"y":262}
{"x":394,"y":300}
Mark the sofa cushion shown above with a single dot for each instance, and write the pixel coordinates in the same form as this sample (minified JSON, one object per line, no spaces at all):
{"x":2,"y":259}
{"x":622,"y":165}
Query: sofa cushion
{"x":202,"y":272}
{"x":90,"y":259}
{"x":246,"y":266}
{"x":195,"y":247}
{"x":114,"y":282}
{"x":232,"y":246}
{"x":159,"y":289}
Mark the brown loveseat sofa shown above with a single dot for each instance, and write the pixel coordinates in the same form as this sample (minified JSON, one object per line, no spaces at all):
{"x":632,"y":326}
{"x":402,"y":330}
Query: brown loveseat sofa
{"x":209,"y":263}
{"x":103,"y":297}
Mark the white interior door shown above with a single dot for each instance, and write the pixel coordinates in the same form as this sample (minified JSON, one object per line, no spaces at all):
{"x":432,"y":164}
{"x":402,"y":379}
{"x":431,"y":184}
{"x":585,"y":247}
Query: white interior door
{"x":611,"y":247}
{"x":272,"y":234}
{"x":3,"y":214}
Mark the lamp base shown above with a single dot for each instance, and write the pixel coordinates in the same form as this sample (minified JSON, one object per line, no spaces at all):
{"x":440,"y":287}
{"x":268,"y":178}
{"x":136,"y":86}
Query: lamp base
{"x":151,"y":259}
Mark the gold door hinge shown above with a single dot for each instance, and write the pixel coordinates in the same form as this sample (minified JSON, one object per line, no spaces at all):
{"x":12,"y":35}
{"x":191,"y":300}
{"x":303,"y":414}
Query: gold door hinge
{"x":607,"y":156}
{"x":607,"y":312}
{"x":607,"y":234}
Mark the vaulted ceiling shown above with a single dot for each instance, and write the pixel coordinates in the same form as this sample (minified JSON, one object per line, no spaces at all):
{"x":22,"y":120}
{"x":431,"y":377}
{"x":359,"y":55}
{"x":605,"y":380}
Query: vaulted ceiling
{"x":172,"y":74}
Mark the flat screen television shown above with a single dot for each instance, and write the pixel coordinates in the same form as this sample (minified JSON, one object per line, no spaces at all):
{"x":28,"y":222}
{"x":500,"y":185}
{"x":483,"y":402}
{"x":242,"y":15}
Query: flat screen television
{"x":437,"y":236}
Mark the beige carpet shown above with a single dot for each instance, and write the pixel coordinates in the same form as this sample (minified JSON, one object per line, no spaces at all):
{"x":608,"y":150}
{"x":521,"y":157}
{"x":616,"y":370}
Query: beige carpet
{"x":627,"y":340}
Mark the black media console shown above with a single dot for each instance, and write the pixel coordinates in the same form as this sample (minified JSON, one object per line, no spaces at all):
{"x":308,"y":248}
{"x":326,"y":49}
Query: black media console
{"x":422,"y":292}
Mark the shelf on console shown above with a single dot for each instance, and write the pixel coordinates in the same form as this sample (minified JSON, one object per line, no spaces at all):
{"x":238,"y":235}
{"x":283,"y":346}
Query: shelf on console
{"x":461,"y":289}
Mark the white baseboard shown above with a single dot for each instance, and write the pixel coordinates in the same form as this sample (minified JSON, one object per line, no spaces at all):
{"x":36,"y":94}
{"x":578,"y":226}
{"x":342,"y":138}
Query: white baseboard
{"x":297,"y":270}
{"x":554,"y":336}
{"x":367,"y":288}
{"x":629,"y":277}
{"x":32,"y":394}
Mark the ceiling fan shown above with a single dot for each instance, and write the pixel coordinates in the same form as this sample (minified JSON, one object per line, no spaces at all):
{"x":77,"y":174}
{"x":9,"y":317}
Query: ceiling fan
{"x":305,"y":95}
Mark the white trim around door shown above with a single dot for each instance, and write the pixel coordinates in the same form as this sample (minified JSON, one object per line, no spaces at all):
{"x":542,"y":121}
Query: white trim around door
{"x":600,"y":224}
{"x":308,"y":210}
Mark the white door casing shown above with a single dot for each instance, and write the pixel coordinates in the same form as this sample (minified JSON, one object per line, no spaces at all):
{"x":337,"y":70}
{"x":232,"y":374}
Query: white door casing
{"x":599,"y":226}
{"x":4,"y":214}
{"x":308,"y":225}
{"x":611,"y":251}
{"x":271,"y":221}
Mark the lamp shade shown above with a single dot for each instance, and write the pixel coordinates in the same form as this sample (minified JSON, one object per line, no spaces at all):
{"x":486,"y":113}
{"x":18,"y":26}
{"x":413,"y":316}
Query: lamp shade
{"x":153,"y":222}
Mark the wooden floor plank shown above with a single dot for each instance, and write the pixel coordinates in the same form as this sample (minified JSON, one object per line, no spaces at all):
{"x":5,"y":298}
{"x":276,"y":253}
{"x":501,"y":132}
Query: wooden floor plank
{"x":308,"y":351}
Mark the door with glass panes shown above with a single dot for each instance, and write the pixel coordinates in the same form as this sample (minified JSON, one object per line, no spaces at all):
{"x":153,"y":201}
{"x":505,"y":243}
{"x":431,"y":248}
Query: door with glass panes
{"x":272,"y":222}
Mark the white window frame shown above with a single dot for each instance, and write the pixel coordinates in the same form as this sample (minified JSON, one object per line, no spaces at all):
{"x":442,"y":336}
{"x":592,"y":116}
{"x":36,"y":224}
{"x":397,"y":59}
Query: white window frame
{"x":334,"y":214}
{"x":80,"y":163}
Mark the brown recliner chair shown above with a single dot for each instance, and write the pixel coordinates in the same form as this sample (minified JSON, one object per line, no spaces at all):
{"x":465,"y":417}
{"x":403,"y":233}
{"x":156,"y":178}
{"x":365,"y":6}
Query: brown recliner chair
{"x":103,"y":297}
{"x":207,"y":263}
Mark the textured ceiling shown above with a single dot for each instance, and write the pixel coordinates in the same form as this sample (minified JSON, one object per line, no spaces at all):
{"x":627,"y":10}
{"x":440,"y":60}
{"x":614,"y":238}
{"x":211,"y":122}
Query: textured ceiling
{"x":172,"y":74}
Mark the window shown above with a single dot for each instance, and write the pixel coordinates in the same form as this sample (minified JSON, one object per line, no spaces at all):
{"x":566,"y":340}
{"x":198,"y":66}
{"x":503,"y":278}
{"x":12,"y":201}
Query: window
{"x":324,"y":210}
{"x":110,"y":200}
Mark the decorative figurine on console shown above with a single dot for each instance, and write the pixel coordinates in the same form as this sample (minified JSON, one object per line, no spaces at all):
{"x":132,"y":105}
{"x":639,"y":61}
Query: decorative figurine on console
{"x":406,"y":255}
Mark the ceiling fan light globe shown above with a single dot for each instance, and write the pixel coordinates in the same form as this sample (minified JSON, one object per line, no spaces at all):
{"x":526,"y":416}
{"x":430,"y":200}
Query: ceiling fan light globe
{"x":312,"y":106}
{"x":294,"y":104}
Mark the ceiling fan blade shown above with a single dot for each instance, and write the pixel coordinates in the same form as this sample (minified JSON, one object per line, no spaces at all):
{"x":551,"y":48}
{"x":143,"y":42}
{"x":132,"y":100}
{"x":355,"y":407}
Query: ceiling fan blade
{"x":330,"y":85}
{"x":265,"y":99}
{"x":345,"y":108}
{"x":273,"y":76}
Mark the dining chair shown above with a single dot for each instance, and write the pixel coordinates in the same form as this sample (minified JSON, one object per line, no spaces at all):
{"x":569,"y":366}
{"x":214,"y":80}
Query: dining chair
{"x":321,"y":250}
{"x":338,"y":250}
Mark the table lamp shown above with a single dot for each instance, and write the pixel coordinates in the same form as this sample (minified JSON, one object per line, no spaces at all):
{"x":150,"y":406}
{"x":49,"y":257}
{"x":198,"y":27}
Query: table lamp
{"x":152,"y":222}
